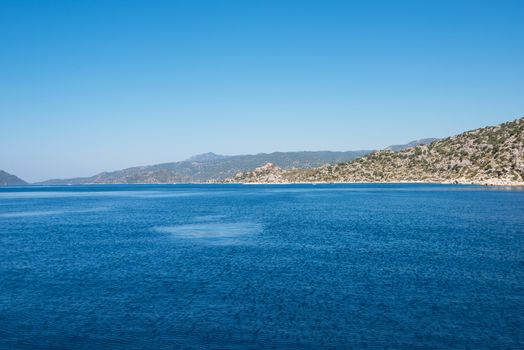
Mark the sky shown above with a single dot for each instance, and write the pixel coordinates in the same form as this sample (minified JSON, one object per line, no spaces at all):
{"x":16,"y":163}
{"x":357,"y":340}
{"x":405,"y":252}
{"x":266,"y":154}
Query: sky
{"x":91,"y":86}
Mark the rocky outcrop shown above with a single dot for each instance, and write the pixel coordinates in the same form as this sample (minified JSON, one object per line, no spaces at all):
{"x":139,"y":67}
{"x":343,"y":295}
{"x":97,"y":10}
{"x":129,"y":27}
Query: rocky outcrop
{"x":268,"y":173}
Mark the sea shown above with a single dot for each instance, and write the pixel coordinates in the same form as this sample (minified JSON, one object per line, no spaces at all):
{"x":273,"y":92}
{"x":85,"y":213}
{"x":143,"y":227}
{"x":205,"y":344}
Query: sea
{"x":356,"y":266}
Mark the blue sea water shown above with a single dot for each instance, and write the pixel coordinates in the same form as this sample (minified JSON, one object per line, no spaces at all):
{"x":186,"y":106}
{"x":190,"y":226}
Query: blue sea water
{"x":261,"y":267}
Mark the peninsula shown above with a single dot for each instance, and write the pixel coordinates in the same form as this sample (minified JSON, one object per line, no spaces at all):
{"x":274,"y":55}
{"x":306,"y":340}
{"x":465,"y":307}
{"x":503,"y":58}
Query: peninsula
{"x":489,"y":156}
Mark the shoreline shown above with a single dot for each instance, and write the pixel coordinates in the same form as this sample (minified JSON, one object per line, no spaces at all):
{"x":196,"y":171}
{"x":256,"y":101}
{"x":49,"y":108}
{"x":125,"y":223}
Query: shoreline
{"x":489,"y":183}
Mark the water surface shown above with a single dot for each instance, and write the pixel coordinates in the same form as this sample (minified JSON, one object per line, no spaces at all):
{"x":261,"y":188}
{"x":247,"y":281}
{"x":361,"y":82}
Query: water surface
{"x":247,"y":267}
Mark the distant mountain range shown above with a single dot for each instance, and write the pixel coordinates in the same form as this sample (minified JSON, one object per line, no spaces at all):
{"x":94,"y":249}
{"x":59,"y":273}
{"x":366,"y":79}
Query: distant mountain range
{"x":397,"y":148}
{"x":492,"y":155}
{"x":207,"y":157}
{"x":211,"y":167}
{"x":7,"y":179}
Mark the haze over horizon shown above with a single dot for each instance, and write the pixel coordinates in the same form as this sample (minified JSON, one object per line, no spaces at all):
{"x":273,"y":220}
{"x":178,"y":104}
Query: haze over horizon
{"x":104,"y":85}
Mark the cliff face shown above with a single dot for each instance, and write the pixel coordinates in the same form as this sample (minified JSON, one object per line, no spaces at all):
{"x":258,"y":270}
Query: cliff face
{"x":491,"y":155}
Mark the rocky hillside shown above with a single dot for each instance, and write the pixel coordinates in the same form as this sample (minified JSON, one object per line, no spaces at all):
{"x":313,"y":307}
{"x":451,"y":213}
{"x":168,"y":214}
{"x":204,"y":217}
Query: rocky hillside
{"x":491,"y":155}
{"x":7,"y":179}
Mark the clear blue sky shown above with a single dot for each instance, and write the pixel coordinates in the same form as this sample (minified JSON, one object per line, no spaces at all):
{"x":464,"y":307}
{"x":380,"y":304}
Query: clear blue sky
{"x":88,"y":86}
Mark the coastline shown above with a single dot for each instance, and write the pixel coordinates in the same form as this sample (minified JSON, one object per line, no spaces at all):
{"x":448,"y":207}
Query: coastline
{"x":492,"y":183}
